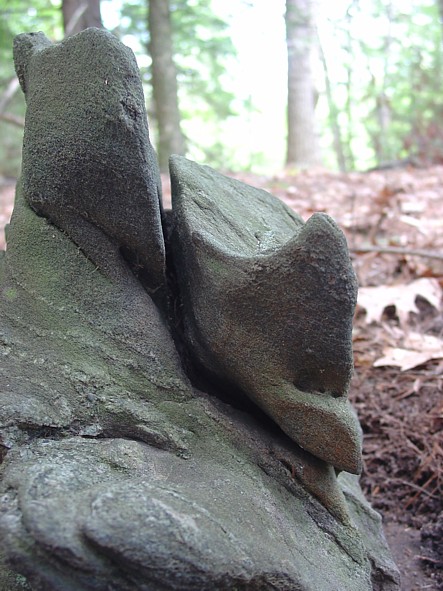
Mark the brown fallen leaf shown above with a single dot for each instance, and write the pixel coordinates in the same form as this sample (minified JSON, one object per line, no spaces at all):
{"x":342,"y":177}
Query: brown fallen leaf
{"x":417,"y":349}
{"x":403,"y":296}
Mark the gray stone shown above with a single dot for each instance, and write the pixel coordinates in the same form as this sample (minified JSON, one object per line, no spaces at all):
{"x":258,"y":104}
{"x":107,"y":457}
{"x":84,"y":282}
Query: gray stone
{"x":88,"y":165}
{"x":78,"y":348}
{"x":116,"y":474}
{"x":100,"y":514}
{"x":268,"y":303}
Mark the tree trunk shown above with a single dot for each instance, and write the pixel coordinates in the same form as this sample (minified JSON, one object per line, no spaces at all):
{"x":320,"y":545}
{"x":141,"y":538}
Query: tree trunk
{"x":383,"y":110}
{"x":164,"y":83}
{"x":302,"y":145}
{"x":349,"y":67}
{"x":80,"y":14}
{"x":333,"y":114}
{"x":440,"y":9}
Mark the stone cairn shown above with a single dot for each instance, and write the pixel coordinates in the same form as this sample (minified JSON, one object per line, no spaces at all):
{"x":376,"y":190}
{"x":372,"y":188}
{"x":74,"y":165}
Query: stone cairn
{"x":174,"y":406}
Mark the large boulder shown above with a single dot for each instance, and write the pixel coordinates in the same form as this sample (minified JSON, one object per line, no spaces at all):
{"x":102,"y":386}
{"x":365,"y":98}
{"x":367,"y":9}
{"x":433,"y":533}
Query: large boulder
{"x":117,"y":473}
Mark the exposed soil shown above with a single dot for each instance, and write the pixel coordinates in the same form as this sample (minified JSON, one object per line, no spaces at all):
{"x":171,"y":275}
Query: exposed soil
{"x":401,"y":410}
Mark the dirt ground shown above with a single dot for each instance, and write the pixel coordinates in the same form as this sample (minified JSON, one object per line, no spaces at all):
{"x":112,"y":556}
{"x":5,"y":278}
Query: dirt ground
{"x":393,"y":220}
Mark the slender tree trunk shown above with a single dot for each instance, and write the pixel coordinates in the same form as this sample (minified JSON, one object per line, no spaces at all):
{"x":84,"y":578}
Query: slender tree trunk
{"x":80,"y":14}
{"x":302,"y":145}
{"x":384,"y":119}
{"x":349,"y":155}
{"x":382,"y":103}
{"x":333,"y":114}
{"x":440,"y":9}
{"x":164,"y":83}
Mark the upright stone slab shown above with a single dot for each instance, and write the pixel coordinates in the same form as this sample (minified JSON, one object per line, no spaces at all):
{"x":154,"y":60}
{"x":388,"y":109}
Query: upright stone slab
{"x":268,"y":303}
{"x":88,"y":165}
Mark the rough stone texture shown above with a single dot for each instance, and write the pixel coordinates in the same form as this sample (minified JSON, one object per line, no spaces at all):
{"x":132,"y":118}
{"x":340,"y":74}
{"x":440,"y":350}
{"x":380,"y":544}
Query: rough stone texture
{"x":80,"y":352}
{"x":117,"y":514}
{"x":116,"y":474}
{"x":268,"y":303}
{"x":88,"y":164}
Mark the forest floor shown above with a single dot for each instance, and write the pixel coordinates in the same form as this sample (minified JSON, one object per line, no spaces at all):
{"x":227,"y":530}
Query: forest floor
{"x":393,"y":220}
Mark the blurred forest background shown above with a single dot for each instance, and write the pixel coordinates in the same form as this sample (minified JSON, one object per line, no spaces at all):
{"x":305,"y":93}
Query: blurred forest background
{"x":363,"y":90}
{"x":334,"y":106}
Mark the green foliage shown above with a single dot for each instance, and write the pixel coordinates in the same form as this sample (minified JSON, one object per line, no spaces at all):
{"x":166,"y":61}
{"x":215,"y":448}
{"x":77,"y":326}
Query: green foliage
{"x":203,"y":49}
{"x":202,"y":53}
{"x":17,"y":17}
{"x":414,"y":83}
{"x":391,"y":52}
{"x":384,"y":57}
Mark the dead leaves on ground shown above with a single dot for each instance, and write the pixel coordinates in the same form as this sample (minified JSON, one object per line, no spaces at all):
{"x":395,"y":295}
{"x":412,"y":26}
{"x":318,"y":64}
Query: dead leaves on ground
{"x":403,"y":348}
{"x":402,"y":296}
{"x":417,"y":349}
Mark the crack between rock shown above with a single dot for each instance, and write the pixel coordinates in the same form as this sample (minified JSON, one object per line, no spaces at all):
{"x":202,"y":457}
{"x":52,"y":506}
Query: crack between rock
{"x":46,"y":432}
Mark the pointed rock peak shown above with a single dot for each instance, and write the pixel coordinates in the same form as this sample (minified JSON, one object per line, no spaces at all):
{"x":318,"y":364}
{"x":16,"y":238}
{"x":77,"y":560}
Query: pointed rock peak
{"x":88,"y":164}
{"x":325,"y":426}
{"x":268,"y":305}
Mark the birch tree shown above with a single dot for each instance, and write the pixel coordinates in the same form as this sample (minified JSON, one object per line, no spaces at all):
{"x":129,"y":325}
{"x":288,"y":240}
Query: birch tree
{"x":302,"y":142}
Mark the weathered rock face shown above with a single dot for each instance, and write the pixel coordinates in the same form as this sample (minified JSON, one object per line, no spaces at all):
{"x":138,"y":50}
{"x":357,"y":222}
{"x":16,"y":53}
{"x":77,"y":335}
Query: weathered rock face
{"x":268,"y":303}
{"x":88,"y":164}
{"x":117,"y":473}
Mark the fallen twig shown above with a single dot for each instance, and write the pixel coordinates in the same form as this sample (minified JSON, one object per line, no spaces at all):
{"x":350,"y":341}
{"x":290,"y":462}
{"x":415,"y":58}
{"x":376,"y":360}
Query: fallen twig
{"x":429,"y":559}
{"x":414,"y":486}
{"x":397,"y":250}
{"x":419,"y":492}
